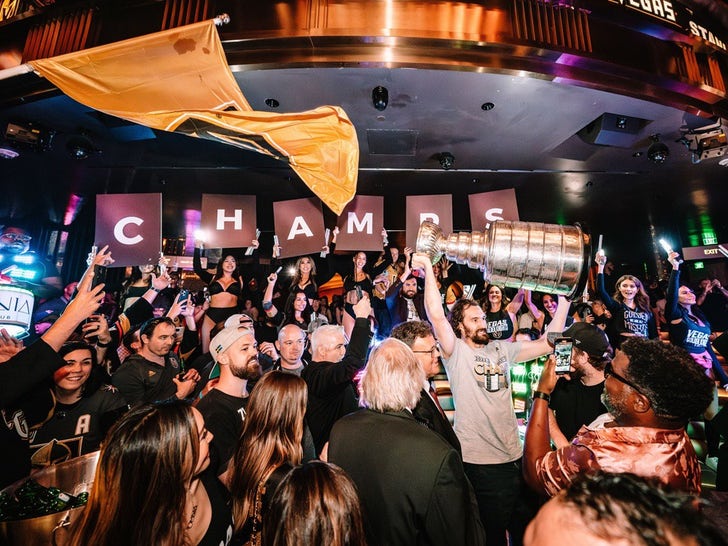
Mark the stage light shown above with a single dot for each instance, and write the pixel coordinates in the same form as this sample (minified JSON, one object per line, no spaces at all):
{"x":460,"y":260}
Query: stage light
{"x":658,"y":152}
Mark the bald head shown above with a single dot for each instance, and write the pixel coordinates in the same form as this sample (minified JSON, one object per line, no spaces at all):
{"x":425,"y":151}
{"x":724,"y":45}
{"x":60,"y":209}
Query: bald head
{"x":291,"y":344}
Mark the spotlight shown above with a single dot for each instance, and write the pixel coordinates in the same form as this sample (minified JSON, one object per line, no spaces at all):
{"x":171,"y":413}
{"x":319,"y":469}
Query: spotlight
{"x":80,"y":146}
{"x":447,"y":160}
{"x":658,"y":151}
{"x":380,"y":97}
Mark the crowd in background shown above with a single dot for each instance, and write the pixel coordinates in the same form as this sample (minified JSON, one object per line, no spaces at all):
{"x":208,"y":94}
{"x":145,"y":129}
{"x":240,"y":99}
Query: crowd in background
{"x":275,"y":372}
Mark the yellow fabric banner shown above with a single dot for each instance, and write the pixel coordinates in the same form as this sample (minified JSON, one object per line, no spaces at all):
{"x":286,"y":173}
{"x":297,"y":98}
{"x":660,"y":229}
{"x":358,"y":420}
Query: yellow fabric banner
{"x":178,"y":80}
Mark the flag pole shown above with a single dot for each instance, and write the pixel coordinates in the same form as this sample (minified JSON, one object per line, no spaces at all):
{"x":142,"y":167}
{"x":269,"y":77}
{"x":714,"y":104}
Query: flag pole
{"x":222,"y":19}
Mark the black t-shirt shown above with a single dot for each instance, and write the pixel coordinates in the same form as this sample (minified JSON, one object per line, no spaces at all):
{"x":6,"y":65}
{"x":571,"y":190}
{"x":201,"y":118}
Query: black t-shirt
{"x":142,"y":381}
{"x":576,"y":404}
{"x":79,"y":428}
{"x":224,"y":415}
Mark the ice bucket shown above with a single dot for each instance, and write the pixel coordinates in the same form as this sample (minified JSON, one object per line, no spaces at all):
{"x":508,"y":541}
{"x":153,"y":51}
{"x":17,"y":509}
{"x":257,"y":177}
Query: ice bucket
{"x":74,"y":477}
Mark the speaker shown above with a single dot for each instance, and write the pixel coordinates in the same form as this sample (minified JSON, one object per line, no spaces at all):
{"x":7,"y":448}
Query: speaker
{"x":613,"y":130}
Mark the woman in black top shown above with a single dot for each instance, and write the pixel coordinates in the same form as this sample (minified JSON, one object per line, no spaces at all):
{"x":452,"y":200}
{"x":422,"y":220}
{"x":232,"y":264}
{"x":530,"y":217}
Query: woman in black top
{"x":85,"y":407}
{"x":269,"y":445}
{"x":151,"y":485}
{"x":225,"y":287}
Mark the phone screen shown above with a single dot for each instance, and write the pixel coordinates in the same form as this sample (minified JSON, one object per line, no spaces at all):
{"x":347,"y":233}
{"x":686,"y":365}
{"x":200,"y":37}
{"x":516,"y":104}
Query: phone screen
{"x":562,"y":353}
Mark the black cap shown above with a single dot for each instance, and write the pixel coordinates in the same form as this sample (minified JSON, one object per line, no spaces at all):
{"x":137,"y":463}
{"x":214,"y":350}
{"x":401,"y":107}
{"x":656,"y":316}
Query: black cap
{"x":588,"y":338}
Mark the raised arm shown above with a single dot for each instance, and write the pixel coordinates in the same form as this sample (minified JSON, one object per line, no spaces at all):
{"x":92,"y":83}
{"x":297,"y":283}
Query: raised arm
{"x":270,"y":309}
{"x":433,"y":306}
{"x":672,"y":313}
{"x":534,"y":349}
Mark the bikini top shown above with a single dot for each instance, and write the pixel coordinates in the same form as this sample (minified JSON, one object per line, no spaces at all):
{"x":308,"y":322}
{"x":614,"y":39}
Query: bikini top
{"x":217,"y":288}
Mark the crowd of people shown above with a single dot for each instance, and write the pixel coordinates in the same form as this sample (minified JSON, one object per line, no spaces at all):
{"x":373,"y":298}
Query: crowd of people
{"x":245,"y":416}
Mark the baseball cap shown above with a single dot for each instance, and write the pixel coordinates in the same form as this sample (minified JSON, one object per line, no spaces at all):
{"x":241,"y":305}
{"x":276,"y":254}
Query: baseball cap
{"x":588,"y":338}
{"x":225,"y":338}
{"x":234,"y":320}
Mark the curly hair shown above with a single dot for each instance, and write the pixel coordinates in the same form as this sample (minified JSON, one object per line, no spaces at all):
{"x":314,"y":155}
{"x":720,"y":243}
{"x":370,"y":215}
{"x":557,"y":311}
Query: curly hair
{"x":675,"y":385}
{"x":408,"y":332}
{"x":456,"y":315}
{"x":625,"y":507}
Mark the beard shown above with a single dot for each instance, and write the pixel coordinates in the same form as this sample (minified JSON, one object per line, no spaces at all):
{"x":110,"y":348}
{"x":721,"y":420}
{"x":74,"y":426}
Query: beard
{"x":616,"y":405}
{"x":251,"y":369}
{"x":479,"y":336}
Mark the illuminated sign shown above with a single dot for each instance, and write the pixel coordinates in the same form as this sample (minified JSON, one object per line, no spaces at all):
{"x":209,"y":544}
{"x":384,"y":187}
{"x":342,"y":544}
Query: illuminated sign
{"x":675,"y":14}
{"x":9,"y":9}
{"x":703,"y":252}
{"x":662,"y":9}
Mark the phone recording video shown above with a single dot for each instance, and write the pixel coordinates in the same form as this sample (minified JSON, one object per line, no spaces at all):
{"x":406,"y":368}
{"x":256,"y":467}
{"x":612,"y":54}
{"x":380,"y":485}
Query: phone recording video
{"x":562,"y":353}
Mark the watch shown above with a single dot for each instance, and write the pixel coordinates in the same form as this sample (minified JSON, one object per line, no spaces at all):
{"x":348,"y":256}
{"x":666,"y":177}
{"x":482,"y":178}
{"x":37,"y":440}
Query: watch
{"x":542,"y":395}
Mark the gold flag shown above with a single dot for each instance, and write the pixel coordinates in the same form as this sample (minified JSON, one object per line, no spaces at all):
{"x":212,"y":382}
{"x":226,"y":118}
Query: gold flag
{"x":178,"y":80}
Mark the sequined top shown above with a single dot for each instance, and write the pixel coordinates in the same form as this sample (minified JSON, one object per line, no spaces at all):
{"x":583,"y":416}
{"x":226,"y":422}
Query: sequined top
{"x":664,"y":454}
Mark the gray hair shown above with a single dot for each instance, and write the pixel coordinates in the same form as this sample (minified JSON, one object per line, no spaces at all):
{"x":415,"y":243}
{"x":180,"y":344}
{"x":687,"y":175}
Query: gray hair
{"x":323,"y":336}
{"x":393,"y":378}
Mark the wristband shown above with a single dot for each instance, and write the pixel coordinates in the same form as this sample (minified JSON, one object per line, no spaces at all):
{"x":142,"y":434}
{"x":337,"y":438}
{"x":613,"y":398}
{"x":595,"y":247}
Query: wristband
{"x":542,"y":395}
{"x":99,"y":344}
{"x":267,"y":305}
{"x":155,"y":289}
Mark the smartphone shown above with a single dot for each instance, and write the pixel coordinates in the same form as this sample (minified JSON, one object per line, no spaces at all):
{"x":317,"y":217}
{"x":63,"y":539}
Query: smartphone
{"x":183,"y":294}
{"x":99,"y":276}
{"x":358,"y":293}
{"x":562,"y":352}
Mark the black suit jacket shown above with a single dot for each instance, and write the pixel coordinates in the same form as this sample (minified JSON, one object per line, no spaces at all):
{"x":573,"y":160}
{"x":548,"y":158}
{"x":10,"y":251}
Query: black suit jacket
{"x":331,"y":392}
{"x":427,"y":412}
{"x":411,"y":482}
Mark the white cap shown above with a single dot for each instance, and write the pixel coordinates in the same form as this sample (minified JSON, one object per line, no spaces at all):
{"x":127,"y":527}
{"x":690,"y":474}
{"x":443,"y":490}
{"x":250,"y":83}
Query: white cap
{"x":225,"y":338}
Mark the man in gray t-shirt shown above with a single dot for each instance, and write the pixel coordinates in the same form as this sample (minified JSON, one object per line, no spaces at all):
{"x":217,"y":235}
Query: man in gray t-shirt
{"x":485,"y":423}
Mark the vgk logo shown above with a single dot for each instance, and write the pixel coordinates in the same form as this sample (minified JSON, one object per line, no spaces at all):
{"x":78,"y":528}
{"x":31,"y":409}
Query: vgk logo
{"x":203,"y":128}
{"x":9,"y":9}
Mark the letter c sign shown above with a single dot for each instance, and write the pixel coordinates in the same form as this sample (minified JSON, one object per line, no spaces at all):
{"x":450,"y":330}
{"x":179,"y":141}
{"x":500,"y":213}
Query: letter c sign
{"x":119,"y":230}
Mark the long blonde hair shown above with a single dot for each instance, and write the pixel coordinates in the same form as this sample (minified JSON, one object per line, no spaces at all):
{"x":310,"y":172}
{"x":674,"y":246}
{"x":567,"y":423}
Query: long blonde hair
{"x":272,"y":435}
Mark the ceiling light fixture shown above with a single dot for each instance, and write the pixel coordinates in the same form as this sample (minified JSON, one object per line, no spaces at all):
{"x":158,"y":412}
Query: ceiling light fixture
{"x":380,"y":97}
{"x":658,"y":151}
{"x":272,"y":103}
{"x":487,"y":106}
{"x":447,"y":160}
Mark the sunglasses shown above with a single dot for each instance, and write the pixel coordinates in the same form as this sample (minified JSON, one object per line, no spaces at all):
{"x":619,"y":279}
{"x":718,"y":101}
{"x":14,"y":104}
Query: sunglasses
{"x":609,"y":371}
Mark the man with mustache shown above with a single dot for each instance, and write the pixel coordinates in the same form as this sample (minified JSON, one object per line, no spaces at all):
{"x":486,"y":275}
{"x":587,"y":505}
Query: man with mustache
{"x":485,"y":423}
{"x":236,"y":352}
{"x":651,"y":391}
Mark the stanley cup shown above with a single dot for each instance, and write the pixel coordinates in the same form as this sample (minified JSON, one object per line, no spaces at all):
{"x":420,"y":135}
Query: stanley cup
{"x":540,"y":257}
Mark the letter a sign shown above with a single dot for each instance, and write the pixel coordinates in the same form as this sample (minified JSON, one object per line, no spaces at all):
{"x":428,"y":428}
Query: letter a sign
{"x":299,"y":224}
{"x":131,"y":224}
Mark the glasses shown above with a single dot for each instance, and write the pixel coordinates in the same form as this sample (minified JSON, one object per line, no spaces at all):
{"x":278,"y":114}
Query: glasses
{"x":16,"y":237}
{"x":432,"y":351}
{"x":609,"y":371}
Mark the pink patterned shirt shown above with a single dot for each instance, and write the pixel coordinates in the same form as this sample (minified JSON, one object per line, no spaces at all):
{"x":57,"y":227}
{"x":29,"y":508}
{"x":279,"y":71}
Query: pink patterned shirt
{"x":664,"y":454}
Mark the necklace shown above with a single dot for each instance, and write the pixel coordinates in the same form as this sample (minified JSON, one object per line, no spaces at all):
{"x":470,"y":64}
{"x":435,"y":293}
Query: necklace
{"x":192,"y":517}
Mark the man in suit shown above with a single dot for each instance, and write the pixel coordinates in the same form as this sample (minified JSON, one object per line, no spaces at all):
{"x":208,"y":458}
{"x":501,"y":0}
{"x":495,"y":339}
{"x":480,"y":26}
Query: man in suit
{"x":418,"y":336}
{"x":411,"y":482}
